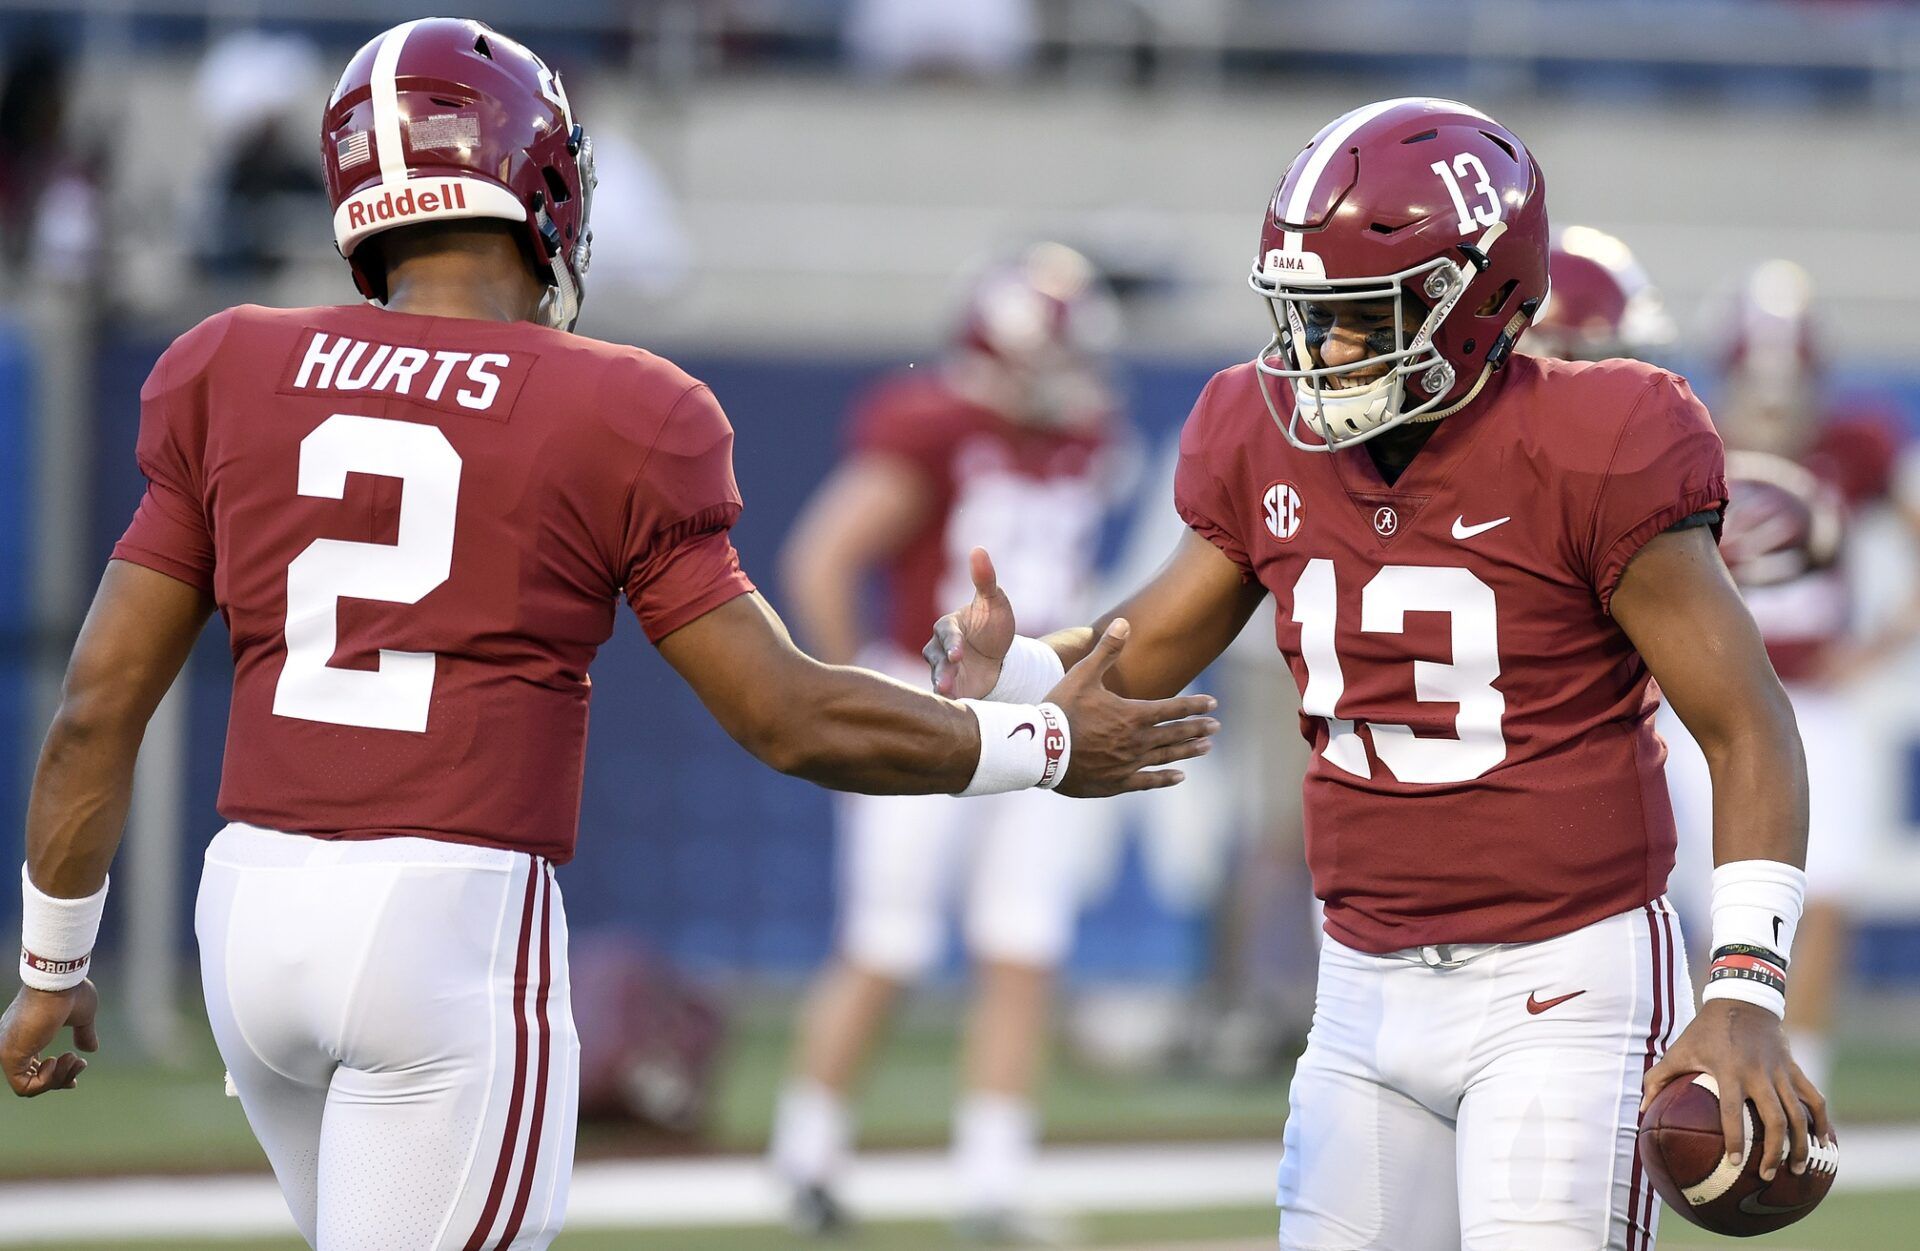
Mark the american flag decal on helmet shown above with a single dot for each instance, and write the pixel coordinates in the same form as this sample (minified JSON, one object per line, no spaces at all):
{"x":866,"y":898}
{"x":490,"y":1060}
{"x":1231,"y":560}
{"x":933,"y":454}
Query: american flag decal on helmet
{"x":353,"y":149}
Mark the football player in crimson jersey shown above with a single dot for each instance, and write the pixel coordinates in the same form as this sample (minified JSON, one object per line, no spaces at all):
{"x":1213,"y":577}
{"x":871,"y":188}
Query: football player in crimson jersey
{"x":1479,"y":560}
{"x":416,"y":516}
{"x":1004,"y":444}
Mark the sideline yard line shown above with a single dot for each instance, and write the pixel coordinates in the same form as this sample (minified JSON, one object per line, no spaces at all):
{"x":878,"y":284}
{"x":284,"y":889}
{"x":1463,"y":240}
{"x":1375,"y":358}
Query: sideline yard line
{"x":738,"y":1190}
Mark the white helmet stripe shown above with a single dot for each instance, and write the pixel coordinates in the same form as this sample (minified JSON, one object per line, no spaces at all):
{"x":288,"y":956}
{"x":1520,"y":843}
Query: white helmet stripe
{"x":386,"y":104}
{"x":1323,"y":155}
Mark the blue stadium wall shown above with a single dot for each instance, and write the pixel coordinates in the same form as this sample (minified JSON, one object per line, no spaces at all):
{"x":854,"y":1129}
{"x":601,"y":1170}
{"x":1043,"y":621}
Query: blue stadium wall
{"x":685,"y":840}
{"x":16,"y":624}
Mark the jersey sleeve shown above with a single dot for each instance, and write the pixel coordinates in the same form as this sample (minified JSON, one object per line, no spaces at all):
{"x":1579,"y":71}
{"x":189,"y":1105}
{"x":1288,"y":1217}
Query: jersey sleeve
{"x":170,"y":532}
{"x":1200,"y":493}
{"x":1667,"y":464}
{"x":678,"y":559}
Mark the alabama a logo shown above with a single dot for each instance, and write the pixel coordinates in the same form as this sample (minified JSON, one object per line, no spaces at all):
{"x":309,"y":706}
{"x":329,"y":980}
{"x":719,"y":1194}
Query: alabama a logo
{"x":1282,"y":506}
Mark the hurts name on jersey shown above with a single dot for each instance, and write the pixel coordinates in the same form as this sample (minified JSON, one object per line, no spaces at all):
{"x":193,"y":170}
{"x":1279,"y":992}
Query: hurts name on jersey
{"x":473,"y":382}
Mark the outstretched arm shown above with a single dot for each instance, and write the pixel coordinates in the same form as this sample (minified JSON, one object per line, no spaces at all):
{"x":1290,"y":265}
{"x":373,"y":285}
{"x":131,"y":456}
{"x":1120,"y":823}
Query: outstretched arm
{"x":136,"y":638}
{"x":1678,"y":604}
{"x":1181,"y":621}
{"x":852,"y":729}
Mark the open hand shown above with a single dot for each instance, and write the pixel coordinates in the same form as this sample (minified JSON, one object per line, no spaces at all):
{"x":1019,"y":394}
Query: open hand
{"x":1744,"y":1049}
{"x":29,"y":1027}
{"x":968,"y":646}
{"x":1120,"y":744}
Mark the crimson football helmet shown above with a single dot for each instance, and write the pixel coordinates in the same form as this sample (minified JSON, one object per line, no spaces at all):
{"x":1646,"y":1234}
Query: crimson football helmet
{"x":1037,"y":335}
{"x":446,"y":118}
{"x":1773,"y":385}
{"x":1781,"y":522}
{"x":1767,"y":328}
{"x":1602,"y":304}
{"x":1426,"y":202}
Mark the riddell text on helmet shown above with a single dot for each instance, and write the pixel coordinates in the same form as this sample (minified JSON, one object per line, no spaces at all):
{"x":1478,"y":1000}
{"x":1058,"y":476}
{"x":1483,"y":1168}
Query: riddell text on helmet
{"x":390,"y":207}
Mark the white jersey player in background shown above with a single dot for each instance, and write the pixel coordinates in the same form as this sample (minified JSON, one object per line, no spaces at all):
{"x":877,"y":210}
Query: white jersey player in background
{"x":1005,"y":444}
{"x":1813,"y":486}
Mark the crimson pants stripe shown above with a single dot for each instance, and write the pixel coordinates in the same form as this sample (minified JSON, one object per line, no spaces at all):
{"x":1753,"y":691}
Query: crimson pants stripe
{"x":1666,"y":1037}
{"x":503,"y":1168}
{"x":540,"y":1075}
{"x":1636,"y":1224}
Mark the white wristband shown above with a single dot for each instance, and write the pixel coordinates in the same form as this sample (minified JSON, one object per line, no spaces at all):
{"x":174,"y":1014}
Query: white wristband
{"x":1756,"y":908}
{"x":57,"y":935}
{"x":1029,"y":670}
{"x":1021,"y":745}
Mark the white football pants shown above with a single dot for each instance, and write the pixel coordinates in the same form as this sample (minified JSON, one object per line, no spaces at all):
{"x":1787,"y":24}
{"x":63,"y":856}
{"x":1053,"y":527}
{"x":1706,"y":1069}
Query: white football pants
{"x":1011,"y":865}
{"x":1844,"y":798}
{"x":1488,"y":1106}
{"x":394,"y":1014}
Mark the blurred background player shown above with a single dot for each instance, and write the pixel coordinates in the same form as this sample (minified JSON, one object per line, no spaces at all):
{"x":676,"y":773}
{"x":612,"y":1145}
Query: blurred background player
{"x":1801,"y":469}
{"x":1601,"y":303}
{"x":1005,"y":444}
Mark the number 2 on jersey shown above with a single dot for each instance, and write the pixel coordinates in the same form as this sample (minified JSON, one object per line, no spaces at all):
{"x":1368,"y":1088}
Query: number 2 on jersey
{"x":396,"y":694}
{"x":1467,"y":680}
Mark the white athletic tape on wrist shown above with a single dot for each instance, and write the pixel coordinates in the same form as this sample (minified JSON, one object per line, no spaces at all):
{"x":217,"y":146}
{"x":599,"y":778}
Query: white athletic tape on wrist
{"x":1021,"y":745}
{"x":1756,"y":909}
{"x":57,"y":935}
{"x":1028,"y":671}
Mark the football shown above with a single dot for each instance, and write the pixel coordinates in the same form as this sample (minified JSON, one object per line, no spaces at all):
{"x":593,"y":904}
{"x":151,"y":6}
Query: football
{"x":1684,"y":1152}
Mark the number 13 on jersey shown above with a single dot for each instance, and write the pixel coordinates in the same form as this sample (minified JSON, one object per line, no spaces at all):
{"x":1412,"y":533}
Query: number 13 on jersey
{"x":1468,"y":680}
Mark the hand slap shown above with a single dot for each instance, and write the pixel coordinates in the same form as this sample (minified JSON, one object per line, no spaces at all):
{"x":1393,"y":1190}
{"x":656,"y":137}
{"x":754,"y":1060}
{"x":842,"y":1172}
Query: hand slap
{"x":1122,"y":745}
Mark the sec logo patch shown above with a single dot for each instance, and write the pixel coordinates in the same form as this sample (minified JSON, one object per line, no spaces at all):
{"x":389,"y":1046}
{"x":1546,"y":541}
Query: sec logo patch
{"x":1282,"y":506}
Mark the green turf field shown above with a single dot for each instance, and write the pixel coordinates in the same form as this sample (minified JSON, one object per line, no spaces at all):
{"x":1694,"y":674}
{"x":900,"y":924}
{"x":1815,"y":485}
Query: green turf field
{"x":135,"y":1118}
{"x":1879,"y":1222}
{"x":129,"y":1118}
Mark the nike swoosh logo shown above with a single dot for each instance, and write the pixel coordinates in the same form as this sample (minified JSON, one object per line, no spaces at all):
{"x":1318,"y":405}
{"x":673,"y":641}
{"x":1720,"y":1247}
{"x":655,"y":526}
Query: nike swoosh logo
{"x":1751,"y":1205}
{"x":1024,"y":725}
{"x":1776,"y":930}
{"x":1461,"y":530}
{"x":1537,"y":1006}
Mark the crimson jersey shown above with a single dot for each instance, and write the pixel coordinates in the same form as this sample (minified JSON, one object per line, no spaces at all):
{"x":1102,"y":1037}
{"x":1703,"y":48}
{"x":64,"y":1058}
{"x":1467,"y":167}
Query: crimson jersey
{"x":416,"y":529}
{"x":1807,"y":619}
{"x":1484,"y":765}
{"x":1031,"y":495}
